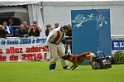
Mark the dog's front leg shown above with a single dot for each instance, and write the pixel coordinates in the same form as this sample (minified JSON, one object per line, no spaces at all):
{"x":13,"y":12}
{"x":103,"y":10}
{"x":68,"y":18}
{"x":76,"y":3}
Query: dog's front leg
{"x":91,"y":63}
{"x":75,"y":64}
{"x":74,"y":67}
{"x":71,"y":67}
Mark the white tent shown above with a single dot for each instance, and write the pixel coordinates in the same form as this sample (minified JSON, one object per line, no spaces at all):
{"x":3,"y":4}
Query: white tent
{"x":59,"y":10}
{"x":23,"y":2}
{"x":34,"y":10}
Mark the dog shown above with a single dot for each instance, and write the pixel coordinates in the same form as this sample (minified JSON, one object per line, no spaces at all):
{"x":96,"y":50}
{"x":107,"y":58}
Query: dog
{"x":79,"y":58}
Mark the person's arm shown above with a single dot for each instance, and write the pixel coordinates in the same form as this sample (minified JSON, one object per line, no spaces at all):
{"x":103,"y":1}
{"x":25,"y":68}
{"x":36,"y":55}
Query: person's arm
{"x":25,"y":33}
{"x":6,"y":32}
{"x":17,"y":33}
{"x":46,"y":32}
{"x":11,"y":32}
{"x":29,"y":30}
{"x":39,"y":29}
{"x":20,"y":35}
{"x":64,"y":42}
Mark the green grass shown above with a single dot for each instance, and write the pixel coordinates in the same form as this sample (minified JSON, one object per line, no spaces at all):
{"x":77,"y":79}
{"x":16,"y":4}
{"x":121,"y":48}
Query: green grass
{"x":39,"y":72}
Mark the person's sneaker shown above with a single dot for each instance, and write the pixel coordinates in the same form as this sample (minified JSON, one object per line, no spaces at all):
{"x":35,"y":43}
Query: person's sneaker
{"x":67,"y":68}
{"x":52,"y":70}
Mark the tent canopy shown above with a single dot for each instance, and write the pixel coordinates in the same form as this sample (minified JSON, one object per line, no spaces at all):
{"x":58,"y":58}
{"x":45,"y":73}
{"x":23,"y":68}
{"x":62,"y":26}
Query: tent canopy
{"x":23,"y":2}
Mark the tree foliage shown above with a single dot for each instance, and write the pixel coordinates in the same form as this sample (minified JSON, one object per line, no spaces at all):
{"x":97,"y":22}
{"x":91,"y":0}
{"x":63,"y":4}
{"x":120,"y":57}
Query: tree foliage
{"x":118,"y":57}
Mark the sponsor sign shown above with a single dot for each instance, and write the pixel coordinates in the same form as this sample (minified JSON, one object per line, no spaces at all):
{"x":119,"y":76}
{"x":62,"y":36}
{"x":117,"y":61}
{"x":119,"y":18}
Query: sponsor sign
{"x":23,"y":49}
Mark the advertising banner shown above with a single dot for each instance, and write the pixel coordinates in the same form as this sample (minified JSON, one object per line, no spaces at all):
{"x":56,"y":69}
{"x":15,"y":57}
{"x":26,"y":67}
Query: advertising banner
{"x":23,"y":49}
{"x":91,"y":31}
{"x":117,"y":44}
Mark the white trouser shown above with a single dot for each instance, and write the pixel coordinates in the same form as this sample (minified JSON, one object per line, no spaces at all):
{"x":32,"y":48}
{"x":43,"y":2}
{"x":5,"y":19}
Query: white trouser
{"x":57,"y":51}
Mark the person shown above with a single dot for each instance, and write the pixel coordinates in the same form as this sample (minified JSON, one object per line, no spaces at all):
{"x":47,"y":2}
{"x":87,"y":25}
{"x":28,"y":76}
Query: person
{"x":3,"y":32}
{"x":12,"y":25}
{"x":56,"y":24}
{"x":69,"y":40}
{"x":8,"y":29}
{"x":48,"y":30}
{"x":21,"y":32}
{"x":34,"y":30}
{"x":26,"y":27}
{"x":10,"y":22}
{"x":53,"y":42}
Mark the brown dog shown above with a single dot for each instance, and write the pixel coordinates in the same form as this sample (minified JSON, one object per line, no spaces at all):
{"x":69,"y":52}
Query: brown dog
{"x":78,"y":59}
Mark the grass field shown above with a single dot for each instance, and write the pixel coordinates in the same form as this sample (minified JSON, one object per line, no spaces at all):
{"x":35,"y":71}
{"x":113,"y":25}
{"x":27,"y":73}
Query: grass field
{"x":39,"y":72}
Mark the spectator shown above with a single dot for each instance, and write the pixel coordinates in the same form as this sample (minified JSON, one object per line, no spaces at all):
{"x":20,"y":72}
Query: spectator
{"x":12,"y":25}
{"x":26,"y":27}
{"x":21,"y":32}
{"x":56,"y":25}
{"x":34,"y":30}
{"x":48,"y":30}
{"x":68,"y":39}
{"x":69,"y":33}
{"x":10,"y":22}
{"x":3,"y":32}
{"x":8,"y":29}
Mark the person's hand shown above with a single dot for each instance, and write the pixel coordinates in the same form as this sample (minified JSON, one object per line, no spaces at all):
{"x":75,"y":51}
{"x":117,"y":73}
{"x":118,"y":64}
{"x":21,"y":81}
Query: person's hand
{"x":31,"y":26}
{"x":46,"y":48}
{"x":3,"y":28}
{"x":49,"y":29}
{"x":25,"y":35}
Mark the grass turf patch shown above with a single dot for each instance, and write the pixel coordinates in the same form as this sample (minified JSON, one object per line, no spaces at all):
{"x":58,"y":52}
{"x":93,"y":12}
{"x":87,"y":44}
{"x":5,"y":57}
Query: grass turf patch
{"x":39,"y":72}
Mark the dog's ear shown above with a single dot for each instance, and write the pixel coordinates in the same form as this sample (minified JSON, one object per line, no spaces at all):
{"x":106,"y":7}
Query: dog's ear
{"x":64,"y":57}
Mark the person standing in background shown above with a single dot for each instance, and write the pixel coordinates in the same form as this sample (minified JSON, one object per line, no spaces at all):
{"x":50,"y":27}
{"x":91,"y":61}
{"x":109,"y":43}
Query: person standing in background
{"x":48,"y":30}
{"x":26,"y":27}
{"x":34,"y":30}
{"x":10,"y":22}
{"x":3,"y":32}
{"x":69,"y":40}
{"x":56,"y":24}
{"x":8,"y":29}
{"x":21,"y":32}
